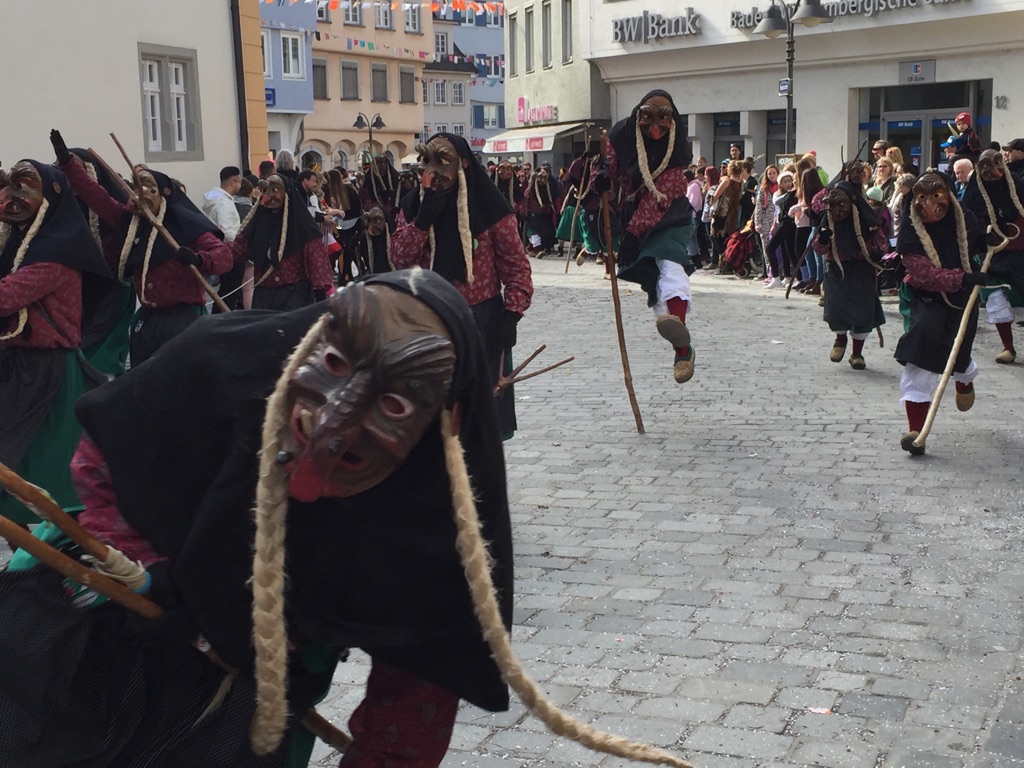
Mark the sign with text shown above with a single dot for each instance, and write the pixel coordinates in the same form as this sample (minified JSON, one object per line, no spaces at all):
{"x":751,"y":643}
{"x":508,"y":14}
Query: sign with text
{"x":271,"y":96}
{"x":914,"y":72}
{"x":652,"y":27}
{"x":528,"y":115}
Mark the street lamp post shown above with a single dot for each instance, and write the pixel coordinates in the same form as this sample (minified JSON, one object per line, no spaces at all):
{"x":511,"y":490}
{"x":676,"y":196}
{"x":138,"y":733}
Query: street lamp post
{"x":806,"y":12}
{"x":362,"y":121}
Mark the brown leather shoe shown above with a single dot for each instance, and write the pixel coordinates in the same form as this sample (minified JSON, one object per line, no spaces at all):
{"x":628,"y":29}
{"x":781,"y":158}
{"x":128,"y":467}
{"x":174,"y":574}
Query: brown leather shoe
{"x":837,"y":352}
{"x":857,"y":363}
{"x":682,"y":369}
{"x":673,"y":330}
{"x":1006,"y":357}
{"x":965,"y":400}
{"x":907,"y":444}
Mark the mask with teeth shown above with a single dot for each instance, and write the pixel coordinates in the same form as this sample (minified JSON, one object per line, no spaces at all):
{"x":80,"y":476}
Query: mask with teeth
{"x":367,"y":394}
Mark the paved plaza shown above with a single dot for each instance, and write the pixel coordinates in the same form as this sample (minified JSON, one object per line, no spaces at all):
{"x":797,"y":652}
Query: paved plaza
{"x":763,"y":578}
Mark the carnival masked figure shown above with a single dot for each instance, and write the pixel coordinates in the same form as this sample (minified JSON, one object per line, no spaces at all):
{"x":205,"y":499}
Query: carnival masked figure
{"x":374,"y":400}
{"x":539,"y":209}
{"x":49,"y":264}
{"x":589,"y":230}
{"x":462,"y":227}
{"x":647,"y":155}
{"x":169,"y":295}
{"x":408,"y":181}
{"x":994,"y":195}
{"x":376,"y":242}
{"x":851,"y":240}
{"x":380,"y":187}
{"x":286,"y":247}
{"x":936,"y":249}
{"x":345,"y":198}
{"x":506,"y":181}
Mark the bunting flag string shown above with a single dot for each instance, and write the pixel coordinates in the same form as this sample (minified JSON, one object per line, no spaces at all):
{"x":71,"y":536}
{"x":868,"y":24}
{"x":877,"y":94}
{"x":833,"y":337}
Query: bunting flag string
{"x":456,"y":5}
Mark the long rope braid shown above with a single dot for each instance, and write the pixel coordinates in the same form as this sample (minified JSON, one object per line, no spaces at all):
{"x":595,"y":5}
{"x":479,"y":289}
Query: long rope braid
{"x":929,"y":245}
{"x":465,"y":233}
{"x":149,"y":247}
{"x":476,"y":563}
{"x":94,"y":219}
{"x":268,"y":577}
{"x":860,"y":240}
{"x":645,"y":168}
{"x":989,"y":208}
{"x":832,"y":246}
{"x":20,"y":257}
{"x":281,"y":245}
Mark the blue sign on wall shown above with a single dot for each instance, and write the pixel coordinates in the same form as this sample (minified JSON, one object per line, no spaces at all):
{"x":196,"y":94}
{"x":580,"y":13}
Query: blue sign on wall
{"x":271,"y":95}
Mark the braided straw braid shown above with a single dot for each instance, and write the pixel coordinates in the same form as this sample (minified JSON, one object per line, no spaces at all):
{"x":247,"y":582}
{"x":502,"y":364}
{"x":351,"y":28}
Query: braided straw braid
{"x":645,"y":167}
{"x":860,"y":239}
{"x":1001,"y":163}
{"x":126,"y":247}
{"x":149,"y":247}
{"x":832,"y":246}
{"x":20,"y":257}
{"x":94,"y":219}
{"x":281,"y":245}
{"x":5,"y":233}
{"x":465,"y":233}
{"x":268,"y":577}
{"x":929,"y":244}
{"x":476,"y":563}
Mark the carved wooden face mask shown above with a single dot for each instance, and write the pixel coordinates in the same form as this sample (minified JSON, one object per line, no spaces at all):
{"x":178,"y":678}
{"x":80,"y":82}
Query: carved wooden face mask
{"x":655,"y":118}
{"x":931,"y":198}
{"x":374,"y":222}
{"x":272,"y":197}
{"x":989,"y":167}
{"x":367,"y":394}
{"x":504,"y":171}
{"x":441,"y":163}
{"x":148,"y":189}
{"x":21,"y":194}
{"x":839,"y":204}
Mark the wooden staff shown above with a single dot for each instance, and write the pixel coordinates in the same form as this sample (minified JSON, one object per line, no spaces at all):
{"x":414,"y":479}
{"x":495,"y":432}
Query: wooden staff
{"x":957,"y":343}
{"x":38,"y":500}
{"x":572,"y":229}
{"x":147,"y":214}
{"x":626,"y":373}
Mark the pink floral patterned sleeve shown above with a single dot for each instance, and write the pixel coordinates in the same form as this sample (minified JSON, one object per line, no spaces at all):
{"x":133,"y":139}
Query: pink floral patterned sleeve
{"x":410,"y":245}
{"x":921,"y":273}
{"x":671,"y":183}
{"x":101,"y":517}
{"x":318,"y":265}
{"x":512,"y":265}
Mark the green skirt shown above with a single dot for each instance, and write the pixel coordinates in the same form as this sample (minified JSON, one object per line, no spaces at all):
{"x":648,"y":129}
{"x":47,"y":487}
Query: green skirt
{"x":565,"y":229}
{"x":109,"y":354}
{"x":47,"y":461}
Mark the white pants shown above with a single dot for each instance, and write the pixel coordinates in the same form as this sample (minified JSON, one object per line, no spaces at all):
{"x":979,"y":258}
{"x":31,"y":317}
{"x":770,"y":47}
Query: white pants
{"x":918,"y":385}
{"x":998,"y":308}
{"x":673,"y":283}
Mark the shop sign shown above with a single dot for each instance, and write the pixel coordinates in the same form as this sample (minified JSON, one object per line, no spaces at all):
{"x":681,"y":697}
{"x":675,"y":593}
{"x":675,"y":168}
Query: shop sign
{"x":535,"y":143}
{"x":528,"y":115}
{"x":477,"y":142}
{"x":270,"y":94}
{"x":914,"y":72}
{"x":500,"y":146}
{"x":651,"y":27}
{"x":835,"y":8}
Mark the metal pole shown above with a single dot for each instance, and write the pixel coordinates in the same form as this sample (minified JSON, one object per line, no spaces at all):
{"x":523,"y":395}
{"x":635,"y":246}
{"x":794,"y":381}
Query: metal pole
{"x":790,"y":55}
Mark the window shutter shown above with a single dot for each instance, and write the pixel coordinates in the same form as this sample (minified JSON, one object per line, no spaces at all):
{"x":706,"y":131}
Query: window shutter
{"x":457,"y":16}
{"x":478,"y":115}
{"x":481,"y":18}
{"x":501,"y":115}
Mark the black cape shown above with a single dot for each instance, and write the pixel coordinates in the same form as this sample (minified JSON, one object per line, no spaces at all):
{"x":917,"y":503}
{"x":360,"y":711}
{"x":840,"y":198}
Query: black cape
{"x":263,"y":232}
{"x":378,"y":570}
{"x":487,"y":206}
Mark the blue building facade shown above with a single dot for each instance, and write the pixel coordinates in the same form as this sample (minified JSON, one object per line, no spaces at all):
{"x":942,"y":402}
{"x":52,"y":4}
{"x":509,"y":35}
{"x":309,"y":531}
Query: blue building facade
{"x":481,"y":36}
{"x":289,"y":71}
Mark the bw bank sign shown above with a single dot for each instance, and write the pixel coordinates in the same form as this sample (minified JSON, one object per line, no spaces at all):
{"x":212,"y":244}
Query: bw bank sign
{"x":652,"y":27}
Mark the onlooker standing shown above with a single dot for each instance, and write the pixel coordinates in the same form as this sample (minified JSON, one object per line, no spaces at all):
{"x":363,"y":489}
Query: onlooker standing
{"x":219,"y":202}
{"x":1014,"y":153}
{"x":962,"y":170}
{"x":885,"y":179}
{"x":696,"y":198}
{"x":764,"y":217}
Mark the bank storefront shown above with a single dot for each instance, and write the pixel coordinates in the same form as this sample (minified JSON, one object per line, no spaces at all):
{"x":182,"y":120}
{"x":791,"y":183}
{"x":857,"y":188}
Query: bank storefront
{"x":895,"y":69}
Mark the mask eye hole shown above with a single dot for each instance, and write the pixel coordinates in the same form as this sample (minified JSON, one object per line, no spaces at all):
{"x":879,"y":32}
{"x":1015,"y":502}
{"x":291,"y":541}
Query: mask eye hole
{"x":395,"y":407}
{"x":336,"y":364}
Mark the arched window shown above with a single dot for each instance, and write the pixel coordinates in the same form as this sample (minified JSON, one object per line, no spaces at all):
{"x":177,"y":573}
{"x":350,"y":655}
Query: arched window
{"x":311,"y":157}
{"x":340,"y":159}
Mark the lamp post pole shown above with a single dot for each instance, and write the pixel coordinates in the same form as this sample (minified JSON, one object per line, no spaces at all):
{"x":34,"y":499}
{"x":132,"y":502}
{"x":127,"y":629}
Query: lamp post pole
{"x":362,"y":121}
{"x":790,"y":57}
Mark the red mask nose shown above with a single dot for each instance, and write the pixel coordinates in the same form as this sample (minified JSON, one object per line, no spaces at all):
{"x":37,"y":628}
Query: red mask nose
{"x":657,"y":132}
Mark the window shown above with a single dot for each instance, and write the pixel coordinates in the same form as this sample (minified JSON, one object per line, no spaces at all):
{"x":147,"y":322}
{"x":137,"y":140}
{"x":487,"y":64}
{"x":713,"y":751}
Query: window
{"x":545,"y":35}
{"x":495,"y":66}
{"x":169,"y":85}
{"x":513,"y":43}
{"x":291,"y":57}
{"x":440,"y":91}
{"x":320,"y":79}
{"x":384,"y":18}
{"x":268,"y":60}
{"x":323,"y":13}
{"x":354,"y":14}
{"x":440,"y":44}
{"x":340,"y":158}
{"x":406,"y":85}
{"x":458,"y":93}
{"x":490,"y":115}
{"x":151,"y":104}
{"x":566,"y":31}
{"x":469,"y":17}
{"x":441,"y":128}
{"x":459,"y":129}
{"x":426,"y":132}
{"x":426,"y":91}
{"x":378,"y":82}
{"x":412,"y":19}
{"x":350,"y":80}
{"x":528,"y":39}
{"x":493,"y":19}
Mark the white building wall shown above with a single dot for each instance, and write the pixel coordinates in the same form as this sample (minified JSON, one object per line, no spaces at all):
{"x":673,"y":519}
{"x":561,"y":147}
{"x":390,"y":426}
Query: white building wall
{"x":75,"y":67}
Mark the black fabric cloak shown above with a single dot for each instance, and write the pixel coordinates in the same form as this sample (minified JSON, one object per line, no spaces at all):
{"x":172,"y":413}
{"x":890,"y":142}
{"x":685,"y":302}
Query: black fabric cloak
{"x":845,"y":235}
{"x":182,"y":219}
{"x":263,"y":232}
{"x":623,"y":137}
{"x":378,"y":570}
{"x":487,"y":206}
{"x":934,"y":323}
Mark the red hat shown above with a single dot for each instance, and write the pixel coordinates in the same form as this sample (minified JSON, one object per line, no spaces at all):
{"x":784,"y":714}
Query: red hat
{"x":964,"y":117}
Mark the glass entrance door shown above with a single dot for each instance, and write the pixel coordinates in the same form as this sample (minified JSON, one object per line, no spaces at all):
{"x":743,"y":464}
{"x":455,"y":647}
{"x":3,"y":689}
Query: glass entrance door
{"x":919,"y":135}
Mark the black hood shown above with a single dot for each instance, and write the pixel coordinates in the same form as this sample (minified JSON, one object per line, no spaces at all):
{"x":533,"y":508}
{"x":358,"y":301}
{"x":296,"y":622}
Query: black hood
{"x":623,"y":137}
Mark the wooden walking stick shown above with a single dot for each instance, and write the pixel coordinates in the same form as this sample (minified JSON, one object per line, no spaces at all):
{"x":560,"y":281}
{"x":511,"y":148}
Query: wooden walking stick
{"x":40,"y":502}
{"x":148,"y":215}
{"x":626,"y":373}
{"x":965,"y":319}
{"x":572,"y":229}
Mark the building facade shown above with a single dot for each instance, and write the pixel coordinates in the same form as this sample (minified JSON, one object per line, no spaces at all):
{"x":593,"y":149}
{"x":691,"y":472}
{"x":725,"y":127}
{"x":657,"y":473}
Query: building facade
{"x":372,"y":56}
{"x":480,"y":32}
{"x":555,"y":99}
{"x":446,"y":81}
{"x":167,"y":79}
{"x":288,"y":73}
{"x":895,"y":69}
